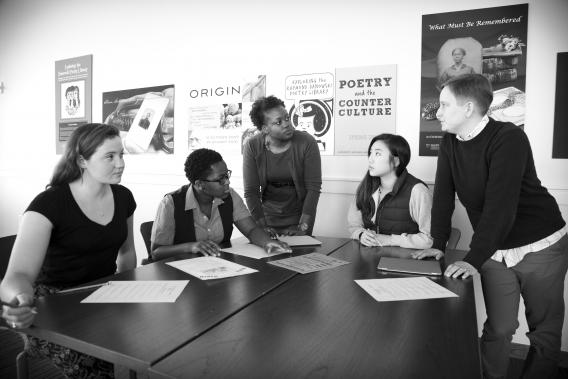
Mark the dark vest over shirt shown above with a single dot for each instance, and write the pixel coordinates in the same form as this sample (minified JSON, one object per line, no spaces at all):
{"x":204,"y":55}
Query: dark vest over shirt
{"x":185,"y":228}
{"x":393,"y":214}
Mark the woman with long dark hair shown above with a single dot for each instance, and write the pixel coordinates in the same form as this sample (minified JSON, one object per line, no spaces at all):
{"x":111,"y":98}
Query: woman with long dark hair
{"x":391,"y":207}
{"x":78,"y":230}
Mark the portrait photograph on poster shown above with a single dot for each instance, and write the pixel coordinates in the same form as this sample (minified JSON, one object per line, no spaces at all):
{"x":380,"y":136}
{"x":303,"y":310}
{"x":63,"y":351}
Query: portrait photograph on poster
{"x":144,"y":116}
{"x":490,"y":41}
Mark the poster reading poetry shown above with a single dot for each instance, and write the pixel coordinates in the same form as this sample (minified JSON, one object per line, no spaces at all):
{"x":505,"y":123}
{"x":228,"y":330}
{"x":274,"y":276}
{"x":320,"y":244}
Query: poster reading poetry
{"x":73,"y":91}
{"x":364,"y":106}
{"x":144,"y":116}
{"x":490,"y":41}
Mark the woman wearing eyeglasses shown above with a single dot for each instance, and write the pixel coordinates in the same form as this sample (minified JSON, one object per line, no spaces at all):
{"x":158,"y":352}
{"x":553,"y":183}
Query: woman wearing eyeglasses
{"x":199,"y":216}
{"x":281,"y":171}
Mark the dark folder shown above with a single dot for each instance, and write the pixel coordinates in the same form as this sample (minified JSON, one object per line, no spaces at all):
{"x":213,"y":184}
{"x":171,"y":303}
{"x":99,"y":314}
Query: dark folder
{"x":411,"y":266}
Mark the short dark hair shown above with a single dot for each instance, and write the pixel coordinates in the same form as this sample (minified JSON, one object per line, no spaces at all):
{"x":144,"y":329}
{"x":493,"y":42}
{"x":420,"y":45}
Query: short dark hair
{"x":460,"y":49}
{"x":198,"y":164}
{"x":475,"y":87}
{"x":262,"y":105}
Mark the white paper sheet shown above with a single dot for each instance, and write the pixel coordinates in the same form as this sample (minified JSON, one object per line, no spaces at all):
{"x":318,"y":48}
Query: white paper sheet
{"x":206,"y":268}
{"x":300,"y":240}
{"x":307,"y":263}
{"x":250,"y":250}
{"x":396,"y":289}
{"x":138,"y":291}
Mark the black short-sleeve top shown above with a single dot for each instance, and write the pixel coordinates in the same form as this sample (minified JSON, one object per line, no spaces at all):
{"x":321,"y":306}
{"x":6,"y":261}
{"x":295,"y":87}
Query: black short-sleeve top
{"x":80,"y":250}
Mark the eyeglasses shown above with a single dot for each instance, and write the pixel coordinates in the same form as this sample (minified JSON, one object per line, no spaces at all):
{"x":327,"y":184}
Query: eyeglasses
{"x":222,"y":180}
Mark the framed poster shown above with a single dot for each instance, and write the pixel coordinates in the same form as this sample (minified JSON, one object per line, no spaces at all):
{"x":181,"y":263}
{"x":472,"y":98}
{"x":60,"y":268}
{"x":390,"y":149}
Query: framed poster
{"x":364,"y":106}
{"x":73,"y":97}
{"x":560,"y":139}
{"x":490,"y":41}
{"x":144,"y":116}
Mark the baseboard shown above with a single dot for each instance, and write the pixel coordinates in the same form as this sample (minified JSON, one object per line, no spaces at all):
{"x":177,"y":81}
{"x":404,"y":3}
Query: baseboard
{"x":520,"y":351}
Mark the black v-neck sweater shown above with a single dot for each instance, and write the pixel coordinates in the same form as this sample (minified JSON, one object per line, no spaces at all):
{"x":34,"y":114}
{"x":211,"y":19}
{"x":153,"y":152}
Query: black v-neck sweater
{"x":495,"y":179}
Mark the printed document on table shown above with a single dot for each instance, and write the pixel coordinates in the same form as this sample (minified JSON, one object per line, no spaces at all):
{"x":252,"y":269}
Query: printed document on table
{"x":305,"y":264}
{"x":299,"y":240}
{"x":138,"y":291}
{"x":206,"y":268}
{"x":396,"y":289}
{"x":250,"y":250}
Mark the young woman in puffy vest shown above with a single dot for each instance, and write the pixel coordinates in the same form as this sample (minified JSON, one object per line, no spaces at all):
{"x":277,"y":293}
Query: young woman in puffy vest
{"x":391,"y":207}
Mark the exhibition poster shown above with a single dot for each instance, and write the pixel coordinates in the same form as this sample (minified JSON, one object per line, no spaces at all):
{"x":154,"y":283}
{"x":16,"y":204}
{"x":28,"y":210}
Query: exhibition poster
{"x":364,"y":106}
{"x":219,"y":113}
{"x":73,"y":97}
{"x":144,"y":117}
{"x":309,"y":100}
{"x":560,"y":136}
{"x":490,"y":41}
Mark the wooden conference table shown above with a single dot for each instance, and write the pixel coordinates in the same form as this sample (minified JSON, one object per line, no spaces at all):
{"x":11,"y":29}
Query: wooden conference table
{"x":275,"y":324}
{"x":138,"y":335}
{"x":323,"y":325}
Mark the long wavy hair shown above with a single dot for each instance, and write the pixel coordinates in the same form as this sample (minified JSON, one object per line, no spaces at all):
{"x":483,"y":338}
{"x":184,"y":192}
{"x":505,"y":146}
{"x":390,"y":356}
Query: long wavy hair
{"x":84,"y":141}
{"x":398,"y":147}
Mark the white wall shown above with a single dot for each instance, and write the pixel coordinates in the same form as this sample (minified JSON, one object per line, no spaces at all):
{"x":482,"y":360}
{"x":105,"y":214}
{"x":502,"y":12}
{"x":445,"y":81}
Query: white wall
{"x":146,"y":43}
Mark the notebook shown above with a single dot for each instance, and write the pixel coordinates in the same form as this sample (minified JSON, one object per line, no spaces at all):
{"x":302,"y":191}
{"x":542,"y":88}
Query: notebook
{"x":299,"y":240}
{"x":411,"y":266}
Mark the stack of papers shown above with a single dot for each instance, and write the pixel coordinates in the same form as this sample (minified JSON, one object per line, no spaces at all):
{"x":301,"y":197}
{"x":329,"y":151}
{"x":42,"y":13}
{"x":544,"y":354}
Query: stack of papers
{"x":143,"y":291}
{"x":251,"y":251}
{"x":309,"y":263}
{"x":396,"y":289}
{"x":411,"y":266}
{"x":299,"y":240}
{"x":206,"y":268}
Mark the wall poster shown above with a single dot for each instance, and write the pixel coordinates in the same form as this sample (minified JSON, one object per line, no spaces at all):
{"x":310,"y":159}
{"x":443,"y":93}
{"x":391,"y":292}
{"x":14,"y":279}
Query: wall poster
{"x":560,"y":139}
{"x":218,"y":114}
{"x":73,"y":97}
{"x":144,"y":116}
{"x":312,"y":107}
{"x":490,"y":41}
{"x":364,"y":106}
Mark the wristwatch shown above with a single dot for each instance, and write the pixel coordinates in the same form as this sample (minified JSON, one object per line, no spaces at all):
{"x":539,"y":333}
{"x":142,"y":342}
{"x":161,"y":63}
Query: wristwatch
{"x":303,"y":226}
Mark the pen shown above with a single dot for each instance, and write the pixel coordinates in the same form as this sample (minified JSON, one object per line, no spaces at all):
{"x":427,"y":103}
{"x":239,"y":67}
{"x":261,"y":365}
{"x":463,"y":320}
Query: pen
{"x":83,"y":288}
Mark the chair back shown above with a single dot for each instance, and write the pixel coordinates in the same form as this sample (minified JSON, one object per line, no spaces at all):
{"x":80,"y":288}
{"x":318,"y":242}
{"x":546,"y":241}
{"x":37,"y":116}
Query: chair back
{"x":146,"y":231}
{"x":454,"y":239}
{"x":6,"y":244}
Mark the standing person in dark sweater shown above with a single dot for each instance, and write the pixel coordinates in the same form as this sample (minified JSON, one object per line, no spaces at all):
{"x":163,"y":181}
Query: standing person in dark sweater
{"x":519,"y":243}
{"x":281,"y":171}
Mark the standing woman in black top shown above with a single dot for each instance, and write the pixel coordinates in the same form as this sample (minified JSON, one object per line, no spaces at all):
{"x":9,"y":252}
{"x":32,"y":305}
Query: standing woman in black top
{"x":78,"y":230}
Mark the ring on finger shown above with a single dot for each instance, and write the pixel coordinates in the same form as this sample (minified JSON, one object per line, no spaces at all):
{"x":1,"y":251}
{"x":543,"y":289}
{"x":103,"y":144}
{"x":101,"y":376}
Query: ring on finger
{"x":13,"y":324}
